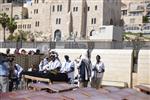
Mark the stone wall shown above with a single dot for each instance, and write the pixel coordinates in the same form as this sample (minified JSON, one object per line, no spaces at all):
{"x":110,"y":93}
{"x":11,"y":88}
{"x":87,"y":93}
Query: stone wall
{"x":118,"y":63}
{"x":143,"y":74}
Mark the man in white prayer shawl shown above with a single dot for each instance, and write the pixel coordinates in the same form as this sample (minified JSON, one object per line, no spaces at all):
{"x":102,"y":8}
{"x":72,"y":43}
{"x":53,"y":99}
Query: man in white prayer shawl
{"x":84,"y":68}
{"x":54,"y":64}
{"x":68,"y":68}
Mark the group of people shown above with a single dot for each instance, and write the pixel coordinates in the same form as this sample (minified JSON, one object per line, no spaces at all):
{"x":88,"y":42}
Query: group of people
{"x":87,"y":71}
{"x":23,"y":51}
{"x":52,"y":68}
{"x":10,"y":73}
{"x":86,"y":68}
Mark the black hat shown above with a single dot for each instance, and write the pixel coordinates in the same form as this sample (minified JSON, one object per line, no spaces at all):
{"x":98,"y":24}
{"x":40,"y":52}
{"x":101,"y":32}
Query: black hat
{"x":66,"y":56}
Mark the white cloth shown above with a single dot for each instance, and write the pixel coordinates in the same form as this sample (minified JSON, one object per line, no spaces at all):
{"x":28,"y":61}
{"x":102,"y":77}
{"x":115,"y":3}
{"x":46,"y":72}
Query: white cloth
{"x":99,"y":67}
{"x":66,"y":67}
{"x":86,"y":60}
{"x":18,"y":70}
{"x":43,"y":63}
{"x":52,"y":65}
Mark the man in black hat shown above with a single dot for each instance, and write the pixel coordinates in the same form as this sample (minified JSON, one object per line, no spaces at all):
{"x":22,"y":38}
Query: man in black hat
{"x":98,"y":69}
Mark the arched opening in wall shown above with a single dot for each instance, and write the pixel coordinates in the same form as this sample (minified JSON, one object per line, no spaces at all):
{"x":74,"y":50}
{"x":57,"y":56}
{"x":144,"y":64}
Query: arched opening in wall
{"x":57,"y":35}
{"x":92,"y":32}
{"x":111,"y":21}
{"x":16,"y":17}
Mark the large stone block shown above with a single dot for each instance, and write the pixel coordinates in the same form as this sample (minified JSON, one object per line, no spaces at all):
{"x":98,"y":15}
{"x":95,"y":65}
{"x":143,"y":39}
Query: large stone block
{"x":143,"y":67}
{"x":118,"y":64}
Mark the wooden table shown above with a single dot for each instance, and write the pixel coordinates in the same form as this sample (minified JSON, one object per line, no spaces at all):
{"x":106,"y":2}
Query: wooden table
{"x":26,"y":77}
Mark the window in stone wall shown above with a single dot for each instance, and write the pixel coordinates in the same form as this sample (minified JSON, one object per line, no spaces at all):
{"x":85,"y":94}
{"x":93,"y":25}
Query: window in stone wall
{"x":20,"y":26}
{"x":124,"y":12}
{"x":16,"y":17}
{"x":7,"y":9}
{"x":93,"y":21}
{"x":35,"y":11}
{"x":88,"y":8}
{"x":36,"y":1}
{"x":37,"y":24}
{"x":58,"y":20}
{"x":23,"y":26}
{"x":53,"y":9}
{"x":76,"y":8}
{"x":57,"y":8}
{"x":95,"y":7}
{"x":60,"y":7}
{"x":29,"y":26}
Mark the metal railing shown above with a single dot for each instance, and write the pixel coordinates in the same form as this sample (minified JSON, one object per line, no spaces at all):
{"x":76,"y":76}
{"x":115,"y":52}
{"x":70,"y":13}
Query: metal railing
{"x":78,"y":45}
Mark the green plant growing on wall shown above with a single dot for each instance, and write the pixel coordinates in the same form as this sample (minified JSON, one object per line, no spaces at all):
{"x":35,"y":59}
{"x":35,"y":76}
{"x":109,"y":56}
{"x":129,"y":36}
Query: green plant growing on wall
{"x":145,"y":19}
{"x":11,"y":25}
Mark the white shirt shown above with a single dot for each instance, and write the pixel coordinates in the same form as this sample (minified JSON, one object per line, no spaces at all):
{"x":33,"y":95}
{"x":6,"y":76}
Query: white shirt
{"x":99,"y":66}
{"x":52,"y":65}
{"x":43,"y":63}
{"x":66,"y":67}
{"x":18,"y":70}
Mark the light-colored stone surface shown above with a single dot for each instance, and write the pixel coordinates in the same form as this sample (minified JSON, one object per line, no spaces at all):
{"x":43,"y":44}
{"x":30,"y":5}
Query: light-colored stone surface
{"x":144,"y":67}
{"x":107,"y":33}
{"x":134,"y":79}
{"x":118,"y":64}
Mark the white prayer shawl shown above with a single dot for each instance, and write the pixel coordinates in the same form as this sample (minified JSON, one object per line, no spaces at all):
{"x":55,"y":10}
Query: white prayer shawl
{"x":52,"y":65}
{"x":99,"y":66}
{"x":18,"y":70}
{"x":66,"y":67}
{"x":43,"y":63}
{"x":87,"y":62}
